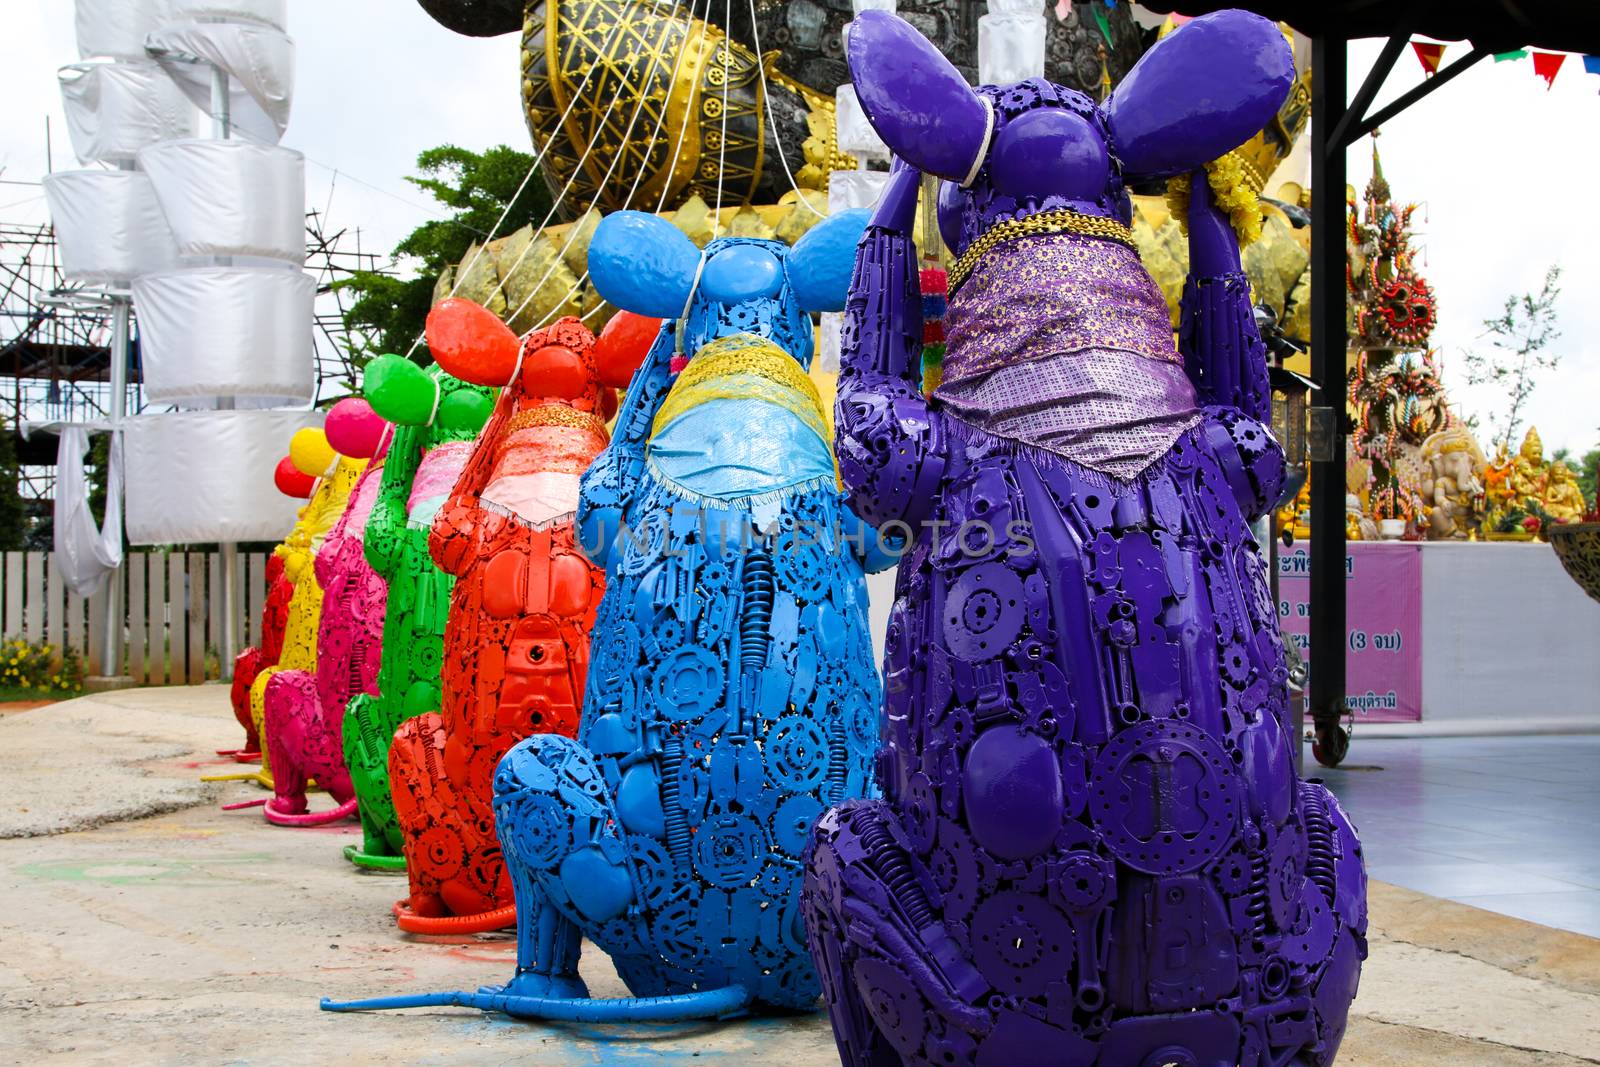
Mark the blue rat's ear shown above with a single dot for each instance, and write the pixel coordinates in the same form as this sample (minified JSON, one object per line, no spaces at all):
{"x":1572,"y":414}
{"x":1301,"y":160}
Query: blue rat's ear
{"x":1199,"y":93}
{"x":643,"y":264}
{"x":820,"y":263}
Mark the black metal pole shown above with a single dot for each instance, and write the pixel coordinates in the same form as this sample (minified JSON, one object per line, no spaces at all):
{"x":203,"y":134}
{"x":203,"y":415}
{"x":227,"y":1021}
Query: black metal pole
{"x":1328,"y":342}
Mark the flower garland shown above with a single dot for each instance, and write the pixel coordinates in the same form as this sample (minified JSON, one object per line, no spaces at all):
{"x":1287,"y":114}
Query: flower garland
{"x":1235,"y":185}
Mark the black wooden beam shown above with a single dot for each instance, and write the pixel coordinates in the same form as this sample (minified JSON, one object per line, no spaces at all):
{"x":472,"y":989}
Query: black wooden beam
{"x":1405,"y":100}
{"x":1328,"y":343}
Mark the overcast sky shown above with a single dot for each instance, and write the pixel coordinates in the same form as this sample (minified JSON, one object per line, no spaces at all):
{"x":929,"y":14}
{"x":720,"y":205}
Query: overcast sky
{"x":1503,"y":168}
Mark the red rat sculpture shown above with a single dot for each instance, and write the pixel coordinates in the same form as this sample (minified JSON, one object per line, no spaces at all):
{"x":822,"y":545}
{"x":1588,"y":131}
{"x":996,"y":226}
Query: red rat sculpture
{"x":517,"y":639}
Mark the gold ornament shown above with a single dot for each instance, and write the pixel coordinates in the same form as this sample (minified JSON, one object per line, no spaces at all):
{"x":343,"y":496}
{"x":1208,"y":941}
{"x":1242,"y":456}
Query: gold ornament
{"x":1062,"y":221}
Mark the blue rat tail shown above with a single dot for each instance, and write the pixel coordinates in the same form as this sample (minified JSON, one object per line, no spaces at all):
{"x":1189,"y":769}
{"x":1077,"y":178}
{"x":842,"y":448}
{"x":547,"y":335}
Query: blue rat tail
{"x":680,"y":1007}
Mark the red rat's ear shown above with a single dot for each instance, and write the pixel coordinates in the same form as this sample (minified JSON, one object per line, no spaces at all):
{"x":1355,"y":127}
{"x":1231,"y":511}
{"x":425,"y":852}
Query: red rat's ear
{"x":622,"y":346}
{"x":290,"y":481}
{"x":471,"y":343}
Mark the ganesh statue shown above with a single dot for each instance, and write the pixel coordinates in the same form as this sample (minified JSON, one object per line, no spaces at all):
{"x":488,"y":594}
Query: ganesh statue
{"x":436,"y":417}
{"x":731,"y":687}
{"x":1450,"y":485}
{"x":334,"y":476}
{"x":516,"y":641}
{"x":303,"y":709}
{"x":1092,"y":846}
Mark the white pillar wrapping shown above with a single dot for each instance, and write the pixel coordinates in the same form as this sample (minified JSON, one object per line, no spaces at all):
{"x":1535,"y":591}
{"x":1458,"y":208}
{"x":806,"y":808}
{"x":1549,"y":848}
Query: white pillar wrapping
{"x":116,"y":28}
{"x":271,"y":12}
{"x":1011,"y":42}
{"x":259,"y":60}
{"x":216,"y":332}
{"x":207,"y":475}
{"x":231,"y":198}
{"x":115,"y":109}
{"x":109,"y":225}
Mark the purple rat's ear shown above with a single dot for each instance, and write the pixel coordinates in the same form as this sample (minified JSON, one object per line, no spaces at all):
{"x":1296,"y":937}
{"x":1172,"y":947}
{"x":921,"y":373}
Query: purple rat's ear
{"x":1199,"y":93}
{"x":915,"y":99}
{"x":476,"y":18}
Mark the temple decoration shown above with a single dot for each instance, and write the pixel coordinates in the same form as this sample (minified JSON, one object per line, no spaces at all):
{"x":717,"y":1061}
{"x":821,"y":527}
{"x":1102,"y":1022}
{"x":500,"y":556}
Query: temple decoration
{"x":1526,"y":494}
{"x":637,"y":88}
{"x":1394,"y":392}
{"x":1061,"y":807}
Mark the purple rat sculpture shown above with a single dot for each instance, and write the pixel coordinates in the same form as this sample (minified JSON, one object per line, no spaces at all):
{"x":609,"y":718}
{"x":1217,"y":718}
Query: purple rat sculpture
{"x":1092,"y":846}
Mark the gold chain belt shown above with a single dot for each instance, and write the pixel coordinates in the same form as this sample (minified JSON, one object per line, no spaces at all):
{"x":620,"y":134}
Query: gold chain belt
{"x":1062,"y":221}
{"x":555,"y":415}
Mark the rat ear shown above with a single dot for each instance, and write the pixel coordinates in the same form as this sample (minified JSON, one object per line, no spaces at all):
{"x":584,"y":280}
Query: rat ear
{"x":915,"y":98}
{"x":643,"y":264}
{"x":471,"y":343}
{"x":622,"y":347}
{"x":476,"y":18}
{"x":820,"y":263}
{"x":1199,"y":93}
{"x":399,"y":390}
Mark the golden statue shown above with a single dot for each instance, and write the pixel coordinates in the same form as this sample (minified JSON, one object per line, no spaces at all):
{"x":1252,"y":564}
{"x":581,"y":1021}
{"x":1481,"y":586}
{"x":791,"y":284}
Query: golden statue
{"x":1451,"y":489}
{"x":1530,"y":474}
{"x":1563,"y":499}
{"x":1295,"y":516}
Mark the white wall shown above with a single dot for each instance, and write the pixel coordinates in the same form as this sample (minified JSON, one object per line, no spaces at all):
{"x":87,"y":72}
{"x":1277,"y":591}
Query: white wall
{"x":1507,"y":637}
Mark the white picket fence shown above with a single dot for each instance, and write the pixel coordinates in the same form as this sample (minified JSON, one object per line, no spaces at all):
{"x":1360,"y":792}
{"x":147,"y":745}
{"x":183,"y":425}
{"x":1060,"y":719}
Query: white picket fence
{"x":172,"y":616}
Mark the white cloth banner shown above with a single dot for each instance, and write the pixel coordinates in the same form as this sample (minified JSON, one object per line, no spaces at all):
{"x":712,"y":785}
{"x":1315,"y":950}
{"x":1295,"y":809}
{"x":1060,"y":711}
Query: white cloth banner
{"x":115,"y":109}
{"x":207,"y":475}
{"x":117,"y":28}
{"x":231,"y":198}
{"x":227,"y":331}
{"x":86,"y":553}
{"x":271,"y":12}
{"x":1011,"y":40}
{"x":109,"y":225}
{"x":847,"y":189}
{"x":259,"y":61}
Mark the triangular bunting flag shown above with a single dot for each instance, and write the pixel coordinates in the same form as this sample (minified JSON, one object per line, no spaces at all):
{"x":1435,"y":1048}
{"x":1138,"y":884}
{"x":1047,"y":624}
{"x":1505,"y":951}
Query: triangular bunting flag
{"x":1547,"y":64}
{"x":1591,"y":64}
{"x":1518,"y":53}
{"x":1428,"y":54}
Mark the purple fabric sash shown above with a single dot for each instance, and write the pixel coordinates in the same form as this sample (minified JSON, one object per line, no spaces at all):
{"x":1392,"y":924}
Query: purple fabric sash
{"x":1063,"y":342}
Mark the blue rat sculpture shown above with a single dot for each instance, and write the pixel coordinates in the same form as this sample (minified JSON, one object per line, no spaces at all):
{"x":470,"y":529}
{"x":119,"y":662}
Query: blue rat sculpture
{"x":732,"y":694}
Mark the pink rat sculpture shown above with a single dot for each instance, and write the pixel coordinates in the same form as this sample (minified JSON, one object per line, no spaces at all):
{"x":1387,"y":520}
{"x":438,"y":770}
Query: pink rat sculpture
{"x":305,"y":709}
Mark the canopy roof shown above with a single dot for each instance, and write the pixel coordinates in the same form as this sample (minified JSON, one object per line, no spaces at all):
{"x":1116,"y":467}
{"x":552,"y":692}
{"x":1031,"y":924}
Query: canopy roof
{"x":1496,"y":25}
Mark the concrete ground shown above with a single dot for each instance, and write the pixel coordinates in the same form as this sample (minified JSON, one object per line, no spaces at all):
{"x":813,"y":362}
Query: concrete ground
{"x":141,"y":924}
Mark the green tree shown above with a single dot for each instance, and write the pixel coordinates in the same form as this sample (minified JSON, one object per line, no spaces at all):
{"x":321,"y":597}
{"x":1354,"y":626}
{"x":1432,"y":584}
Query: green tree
{"x":13,"y":518}
{"x":1518,"y":337}
{"x":475,"y":187}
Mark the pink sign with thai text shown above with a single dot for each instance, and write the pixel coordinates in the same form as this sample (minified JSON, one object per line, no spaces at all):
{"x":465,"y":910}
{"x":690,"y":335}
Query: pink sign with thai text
{"x":1383,"y":640}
